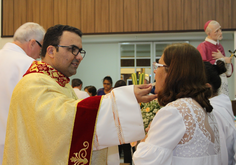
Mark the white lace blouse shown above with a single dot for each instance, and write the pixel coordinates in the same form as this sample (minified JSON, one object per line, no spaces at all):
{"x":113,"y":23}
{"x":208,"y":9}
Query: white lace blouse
{"x":179,"y":136}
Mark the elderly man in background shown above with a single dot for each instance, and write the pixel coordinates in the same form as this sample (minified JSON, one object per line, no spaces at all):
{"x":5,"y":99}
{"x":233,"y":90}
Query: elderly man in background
{"x":211,"y":50}
{"x":15,"y":59}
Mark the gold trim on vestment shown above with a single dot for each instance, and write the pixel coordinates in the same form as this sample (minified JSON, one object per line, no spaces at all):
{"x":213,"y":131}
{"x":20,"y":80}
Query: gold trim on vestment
{"x":80,"y":158}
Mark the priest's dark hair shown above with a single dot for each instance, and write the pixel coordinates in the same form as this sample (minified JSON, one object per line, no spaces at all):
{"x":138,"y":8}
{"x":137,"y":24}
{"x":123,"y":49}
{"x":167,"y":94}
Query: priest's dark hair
{"x":53,"y":35}
{"x":185,"y":76}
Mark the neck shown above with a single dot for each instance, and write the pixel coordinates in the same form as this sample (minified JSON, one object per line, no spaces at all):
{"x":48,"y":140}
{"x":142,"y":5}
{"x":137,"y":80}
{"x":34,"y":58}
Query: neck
{"x":21,"y":45}
{"x":212,"y":39}
{"x":107,"y":91}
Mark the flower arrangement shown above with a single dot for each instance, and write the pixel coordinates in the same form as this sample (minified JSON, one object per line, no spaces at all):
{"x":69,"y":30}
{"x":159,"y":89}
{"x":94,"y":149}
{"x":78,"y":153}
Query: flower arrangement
{"x":148,"y":111}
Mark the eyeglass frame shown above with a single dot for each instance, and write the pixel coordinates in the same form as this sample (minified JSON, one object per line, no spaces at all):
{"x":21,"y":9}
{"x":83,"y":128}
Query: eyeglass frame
{"x":71,"y":47}
{"x":157,"y":65}
{"x":38,"y":43}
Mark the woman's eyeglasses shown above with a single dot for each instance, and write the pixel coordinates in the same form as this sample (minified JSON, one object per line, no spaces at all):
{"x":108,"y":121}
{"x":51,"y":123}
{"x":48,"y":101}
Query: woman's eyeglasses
{"x":156,"y":65}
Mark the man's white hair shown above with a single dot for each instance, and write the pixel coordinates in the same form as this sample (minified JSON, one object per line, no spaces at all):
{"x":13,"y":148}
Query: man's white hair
{"x":28,"y":31}
{"x":208,"y":29}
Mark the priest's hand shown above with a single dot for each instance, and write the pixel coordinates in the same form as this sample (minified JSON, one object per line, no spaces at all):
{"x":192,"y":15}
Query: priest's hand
{"x":217,"y":55}
{"x":141,"y":93}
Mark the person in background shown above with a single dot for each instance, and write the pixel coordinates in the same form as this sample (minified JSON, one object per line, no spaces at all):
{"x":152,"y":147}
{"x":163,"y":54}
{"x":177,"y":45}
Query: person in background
{"x":222,"y":107}
{"x":146,"y":81}
{"x":47,"y":124}
{"x":112,"y":152}
{"x":77,"y":86}
{"x":153,"y":88}
{"x":185,"y":130}
{"x":211,"y":50}
{"x":125,"y":148}
{"x":91,"y":90}
{"x":15,"y":59}
{"x":107,"y":86}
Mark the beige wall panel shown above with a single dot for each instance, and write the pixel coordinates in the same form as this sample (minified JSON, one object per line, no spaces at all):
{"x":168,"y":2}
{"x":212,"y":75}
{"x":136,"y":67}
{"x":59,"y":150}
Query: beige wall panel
{"x":146,"y":15}
{"x":161,"y":15}
{"x":233,"y":14}
{"x":60,"y":12}
{"x":116,"y":16}
{"x":7,"y":18}
{"x":207,"y":11}
{"x":87,"y":16}
{"x":33,"y":11}
{"x":102,"y":16}
{"x":223,"y":13}
{"x":191,"y":15}
{"x":19,"y":13}
{"x":176,"y":21}
{"x":74,"y":13}
{"x":46,"y":13}
{"x":130,"y":15}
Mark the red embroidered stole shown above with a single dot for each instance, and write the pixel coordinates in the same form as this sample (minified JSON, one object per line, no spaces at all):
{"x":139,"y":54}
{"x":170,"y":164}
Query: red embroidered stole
{"x":83,"y":132}
{"x":44,"y":68}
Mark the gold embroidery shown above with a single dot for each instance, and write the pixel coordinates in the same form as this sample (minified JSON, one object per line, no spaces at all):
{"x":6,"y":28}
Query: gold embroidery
{"x":80,"y":158}
{"x":41,"y":67}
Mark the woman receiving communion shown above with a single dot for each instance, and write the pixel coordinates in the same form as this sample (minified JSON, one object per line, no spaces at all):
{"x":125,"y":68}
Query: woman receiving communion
{"x":184,"y":132}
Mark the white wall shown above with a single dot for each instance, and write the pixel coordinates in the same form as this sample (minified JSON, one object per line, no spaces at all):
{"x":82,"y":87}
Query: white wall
{"x":102,"y":59}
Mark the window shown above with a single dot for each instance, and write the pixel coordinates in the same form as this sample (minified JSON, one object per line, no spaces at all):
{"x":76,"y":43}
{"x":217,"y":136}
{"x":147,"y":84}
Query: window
{"x":137,"y":57}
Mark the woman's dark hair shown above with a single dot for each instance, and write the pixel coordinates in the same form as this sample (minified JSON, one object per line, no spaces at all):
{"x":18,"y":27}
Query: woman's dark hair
{"x":91,"y":89}
{"x":108,"y":78}
{"x":213,"y":74}
{"x":53,"y":35}
{"x":185,"y":76}
{"x":120,"y":83}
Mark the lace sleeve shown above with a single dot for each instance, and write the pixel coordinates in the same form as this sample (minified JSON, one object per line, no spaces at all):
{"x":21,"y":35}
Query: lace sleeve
{"x":165,"y":132}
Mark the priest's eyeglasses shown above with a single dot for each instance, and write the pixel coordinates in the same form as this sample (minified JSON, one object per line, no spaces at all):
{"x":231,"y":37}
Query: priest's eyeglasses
{"x":157,"y":65}
{"x":74,"y":50}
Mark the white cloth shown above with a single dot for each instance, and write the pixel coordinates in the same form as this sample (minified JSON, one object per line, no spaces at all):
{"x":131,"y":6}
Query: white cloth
{"x":224,"y":89}
{"x":178,"y":136}
{"x":13,"y":64}
{"x":119,"y":120}
{"x":80,"y":94}
{"x":224,"y":116}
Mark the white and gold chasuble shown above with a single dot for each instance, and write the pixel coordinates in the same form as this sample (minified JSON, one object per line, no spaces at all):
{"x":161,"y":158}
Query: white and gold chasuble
{"x":47,"y":125}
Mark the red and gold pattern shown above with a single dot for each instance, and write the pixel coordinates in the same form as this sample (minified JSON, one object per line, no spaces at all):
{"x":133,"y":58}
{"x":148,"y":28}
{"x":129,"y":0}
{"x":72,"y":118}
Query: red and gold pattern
{"x":83,"y":131}
{"x":42,"y":67}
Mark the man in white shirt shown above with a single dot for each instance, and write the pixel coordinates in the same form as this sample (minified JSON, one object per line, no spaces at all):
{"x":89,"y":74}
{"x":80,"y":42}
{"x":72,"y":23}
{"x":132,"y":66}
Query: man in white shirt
{"x":15,"y":59}
{"x":77,"y":86}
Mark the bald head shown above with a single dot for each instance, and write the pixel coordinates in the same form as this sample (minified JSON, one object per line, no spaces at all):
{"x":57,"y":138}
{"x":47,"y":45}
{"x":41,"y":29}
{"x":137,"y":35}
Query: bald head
{"x":213,"y":30}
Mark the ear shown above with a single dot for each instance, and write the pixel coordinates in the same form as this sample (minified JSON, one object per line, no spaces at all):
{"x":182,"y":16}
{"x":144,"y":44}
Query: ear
{"x":32,"y":43}
{"x":208,"y":85}
{"x":51,"y":51}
